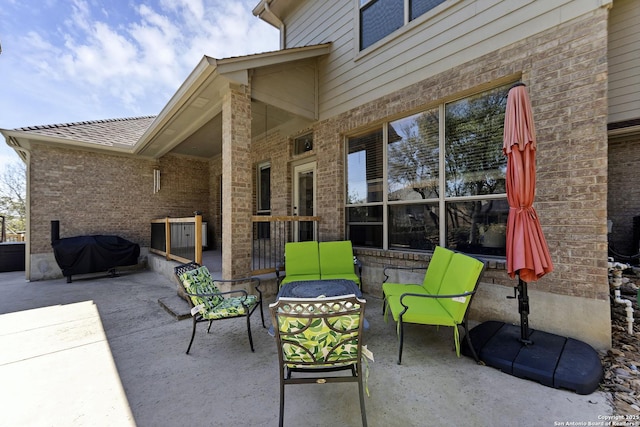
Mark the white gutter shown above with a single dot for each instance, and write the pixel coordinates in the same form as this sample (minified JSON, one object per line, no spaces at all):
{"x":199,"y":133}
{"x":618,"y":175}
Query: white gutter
{"x":271,"y":18}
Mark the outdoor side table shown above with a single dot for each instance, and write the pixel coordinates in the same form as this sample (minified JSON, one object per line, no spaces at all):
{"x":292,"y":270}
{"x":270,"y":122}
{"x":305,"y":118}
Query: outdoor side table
{"x":316,"y":288}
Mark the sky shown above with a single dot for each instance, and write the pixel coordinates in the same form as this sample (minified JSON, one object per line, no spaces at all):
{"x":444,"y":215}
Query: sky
{"x":66,"y":61}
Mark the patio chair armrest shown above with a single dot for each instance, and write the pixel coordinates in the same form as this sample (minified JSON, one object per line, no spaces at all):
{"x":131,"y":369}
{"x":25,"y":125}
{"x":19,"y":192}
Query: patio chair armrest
{"x":251,"y":279}
{"x":399,"y":267}
{"x":358,"y":264}
{"x":279,"y":268}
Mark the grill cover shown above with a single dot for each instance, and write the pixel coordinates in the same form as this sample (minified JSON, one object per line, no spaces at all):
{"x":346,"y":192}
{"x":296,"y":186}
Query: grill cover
{"x":92,"y":254}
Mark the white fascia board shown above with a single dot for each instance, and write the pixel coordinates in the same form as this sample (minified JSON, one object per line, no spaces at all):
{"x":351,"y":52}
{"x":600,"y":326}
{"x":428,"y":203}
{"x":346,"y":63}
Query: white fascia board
{"x":203,"y":71}
{"x":230,"y":65}
{"x":24,"y":138}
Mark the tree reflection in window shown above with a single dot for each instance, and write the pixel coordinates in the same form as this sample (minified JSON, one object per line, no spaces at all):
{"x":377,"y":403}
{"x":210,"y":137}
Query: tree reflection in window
{"x":461,"y":140}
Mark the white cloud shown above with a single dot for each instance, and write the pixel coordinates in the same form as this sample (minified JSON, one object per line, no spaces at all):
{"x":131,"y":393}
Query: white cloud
{"x":84,"y":60}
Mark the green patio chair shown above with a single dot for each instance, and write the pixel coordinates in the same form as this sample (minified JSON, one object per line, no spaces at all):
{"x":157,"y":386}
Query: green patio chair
{"x":449,"y":307}
{"x":301,"y":262}
{"x":318,"y":336}
{"x":337,"y":262}
{"x":209,"y":304}
{"x":432,"y":278}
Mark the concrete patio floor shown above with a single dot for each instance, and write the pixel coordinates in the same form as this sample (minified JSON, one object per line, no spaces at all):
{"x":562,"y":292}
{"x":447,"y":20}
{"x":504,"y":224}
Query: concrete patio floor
{"x":103,"y":352}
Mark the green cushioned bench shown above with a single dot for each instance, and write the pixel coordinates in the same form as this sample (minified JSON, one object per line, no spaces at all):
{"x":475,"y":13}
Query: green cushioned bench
{"x":319,"y":261}
{"x":432,"y":279}
{"x":443,"y":299}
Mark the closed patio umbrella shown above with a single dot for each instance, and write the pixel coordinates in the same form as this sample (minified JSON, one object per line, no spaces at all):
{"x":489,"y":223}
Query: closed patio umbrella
{"x":554,"y":360}
{"x":526,"y":248}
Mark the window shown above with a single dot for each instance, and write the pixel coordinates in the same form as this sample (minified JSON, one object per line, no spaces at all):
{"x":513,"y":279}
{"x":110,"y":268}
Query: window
{"x":379,"y":18}
{"x":433,"y":178}
{"x":264,"y":188}
{"x":303,"y":143}
{"x":263,"y":202}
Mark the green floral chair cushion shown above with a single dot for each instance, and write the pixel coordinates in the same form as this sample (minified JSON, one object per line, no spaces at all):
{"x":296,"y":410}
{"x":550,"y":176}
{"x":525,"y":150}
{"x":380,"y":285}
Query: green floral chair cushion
{"x":231,"y":307}
{"x":319,"y":341}
{"x":209,"y":305}
{"x":199,"y":281}
{"x":318,"y":334}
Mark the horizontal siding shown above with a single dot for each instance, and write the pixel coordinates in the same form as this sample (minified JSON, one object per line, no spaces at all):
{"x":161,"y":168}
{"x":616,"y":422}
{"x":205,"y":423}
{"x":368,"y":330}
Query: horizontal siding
{"x":624,"y":61}
{"x":289,"y":86}
{"x":316,"y":22}
{"x":458,"y":32}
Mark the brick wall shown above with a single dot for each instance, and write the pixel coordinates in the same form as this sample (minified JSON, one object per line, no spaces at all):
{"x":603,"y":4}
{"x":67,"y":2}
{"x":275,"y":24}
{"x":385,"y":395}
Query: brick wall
{"x":94,"y":193}
{"x":565,"y":70}
{"x":275,"y":149}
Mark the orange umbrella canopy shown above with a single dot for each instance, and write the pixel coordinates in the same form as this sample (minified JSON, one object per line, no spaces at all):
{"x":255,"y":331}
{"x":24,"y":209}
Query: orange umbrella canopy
{"x":527,"y":251}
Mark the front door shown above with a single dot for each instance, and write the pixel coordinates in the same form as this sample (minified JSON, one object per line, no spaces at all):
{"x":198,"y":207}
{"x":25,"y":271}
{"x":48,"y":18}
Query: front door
{"x":304,"y":200}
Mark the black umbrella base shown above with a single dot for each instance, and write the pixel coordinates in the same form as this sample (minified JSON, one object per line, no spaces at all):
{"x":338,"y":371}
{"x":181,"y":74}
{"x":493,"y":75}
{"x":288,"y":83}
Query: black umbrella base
{"x":551,"y":360}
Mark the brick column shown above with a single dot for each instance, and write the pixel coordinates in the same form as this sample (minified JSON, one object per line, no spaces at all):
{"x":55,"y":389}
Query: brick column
{"x":236,"y":183}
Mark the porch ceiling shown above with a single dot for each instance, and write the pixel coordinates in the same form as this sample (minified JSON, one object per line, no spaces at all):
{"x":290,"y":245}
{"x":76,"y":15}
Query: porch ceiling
{"x":283,"y":92}
{"x":206,"y":142}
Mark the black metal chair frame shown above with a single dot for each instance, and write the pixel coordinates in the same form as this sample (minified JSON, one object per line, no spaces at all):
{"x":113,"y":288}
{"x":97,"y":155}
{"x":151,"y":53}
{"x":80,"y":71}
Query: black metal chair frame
{"x":197,"y":317}
{"x":297,"y":307}
{"x":463,"y":323}
{"x":386,"y":277}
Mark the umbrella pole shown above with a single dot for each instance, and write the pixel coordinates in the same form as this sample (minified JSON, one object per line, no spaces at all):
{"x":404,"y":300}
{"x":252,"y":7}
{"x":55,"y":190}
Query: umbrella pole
{"x":523,"y":308}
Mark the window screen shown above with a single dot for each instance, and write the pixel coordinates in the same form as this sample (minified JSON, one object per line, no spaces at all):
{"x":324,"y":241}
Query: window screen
{"x":378,"y":19}
{"x":474,"y":162}
{"x":364,"y":169}
{"x":420,"y":7}
{"x":413,"y":156}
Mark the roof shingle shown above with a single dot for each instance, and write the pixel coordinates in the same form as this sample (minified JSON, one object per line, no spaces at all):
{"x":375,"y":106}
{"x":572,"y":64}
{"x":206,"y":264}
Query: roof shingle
{"x":124,"y":131}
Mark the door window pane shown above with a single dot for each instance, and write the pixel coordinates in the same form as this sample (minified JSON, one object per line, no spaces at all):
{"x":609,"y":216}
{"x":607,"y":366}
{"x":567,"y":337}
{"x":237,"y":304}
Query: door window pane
{"x":305,"y":193}
{"x":305,"y":202}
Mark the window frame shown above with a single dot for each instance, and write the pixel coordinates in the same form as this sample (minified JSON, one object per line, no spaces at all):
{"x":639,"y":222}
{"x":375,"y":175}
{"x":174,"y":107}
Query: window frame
{"x":260,"y":167}
{"x":442,"y":200}
{"x":359,"y":5}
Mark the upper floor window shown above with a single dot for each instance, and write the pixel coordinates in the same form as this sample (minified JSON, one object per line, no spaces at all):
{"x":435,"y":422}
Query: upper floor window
{"x":379,"y":18}
{"x":433,"y":178}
